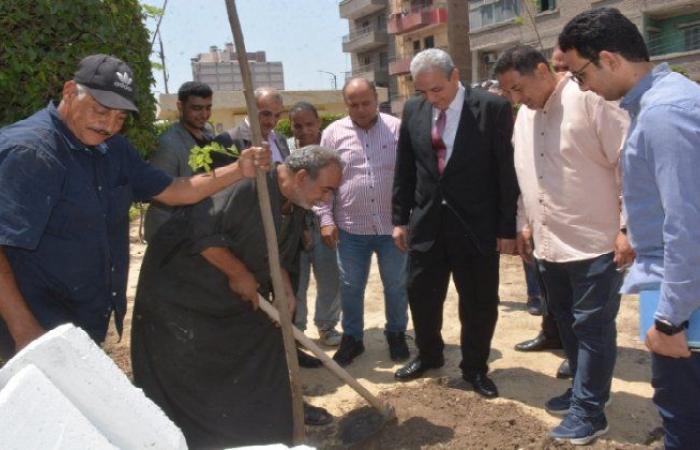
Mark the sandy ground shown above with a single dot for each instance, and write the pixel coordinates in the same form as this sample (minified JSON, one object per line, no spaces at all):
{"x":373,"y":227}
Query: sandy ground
{"x":440,"y":411}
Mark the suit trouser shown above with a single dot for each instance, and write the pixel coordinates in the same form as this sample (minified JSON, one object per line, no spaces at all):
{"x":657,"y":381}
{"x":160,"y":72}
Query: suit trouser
{"x":476,"y":279}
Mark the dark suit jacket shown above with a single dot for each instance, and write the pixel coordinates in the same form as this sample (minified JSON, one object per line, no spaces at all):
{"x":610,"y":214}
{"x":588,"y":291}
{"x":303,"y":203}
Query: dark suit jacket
{"x":242,"y":137}
{"x":478,"y":184}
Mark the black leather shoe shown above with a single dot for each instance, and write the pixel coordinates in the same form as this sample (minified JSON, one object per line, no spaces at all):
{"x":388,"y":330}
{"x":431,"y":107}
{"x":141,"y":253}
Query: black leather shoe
{"x":308,"y":361}
{"x":538,"y":344}
{"x":482,"y":385}
{"x":564,"y":371}
{"x":534,"y":306}
{"x":349,"y":349}
{"x":315,"y":416}
{"x":398,"y":350}
{"x":416,"y":368}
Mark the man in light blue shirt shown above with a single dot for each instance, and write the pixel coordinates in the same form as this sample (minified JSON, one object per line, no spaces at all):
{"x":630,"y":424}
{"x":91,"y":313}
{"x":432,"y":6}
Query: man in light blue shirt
{"x":661,"y":194}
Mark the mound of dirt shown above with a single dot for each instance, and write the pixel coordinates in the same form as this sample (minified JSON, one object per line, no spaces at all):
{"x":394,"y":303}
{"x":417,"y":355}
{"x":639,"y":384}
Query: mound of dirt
{"x":442,"y":414}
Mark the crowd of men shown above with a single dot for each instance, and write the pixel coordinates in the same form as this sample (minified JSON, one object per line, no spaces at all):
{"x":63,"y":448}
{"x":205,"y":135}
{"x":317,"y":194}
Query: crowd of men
{"x":592,"y":184}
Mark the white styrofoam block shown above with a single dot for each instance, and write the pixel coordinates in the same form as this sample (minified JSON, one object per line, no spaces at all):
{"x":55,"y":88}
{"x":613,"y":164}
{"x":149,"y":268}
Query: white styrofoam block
{"x":98,"y":388}
{"x":273,"y":447}
{"x":36,"y":415}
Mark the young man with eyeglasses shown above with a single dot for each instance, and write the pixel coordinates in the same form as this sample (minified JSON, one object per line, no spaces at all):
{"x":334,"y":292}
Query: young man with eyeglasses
{"x":661,"y":194}
{"x":567,"y":145}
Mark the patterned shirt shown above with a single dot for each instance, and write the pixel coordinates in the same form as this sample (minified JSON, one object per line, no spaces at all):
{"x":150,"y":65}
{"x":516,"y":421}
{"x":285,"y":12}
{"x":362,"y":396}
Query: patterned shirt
{"x":362,"y":204}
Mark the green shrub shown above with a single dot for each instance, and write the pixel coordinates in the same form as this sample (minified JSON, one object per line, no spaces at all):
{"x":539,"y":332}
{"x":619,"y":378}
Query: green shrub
{"x":42,"y":41}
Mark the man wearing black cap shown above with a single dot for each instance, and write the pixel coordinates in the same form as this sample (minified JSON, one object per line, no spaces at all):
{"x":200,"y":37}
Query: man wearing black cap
{"x":67,"y":180}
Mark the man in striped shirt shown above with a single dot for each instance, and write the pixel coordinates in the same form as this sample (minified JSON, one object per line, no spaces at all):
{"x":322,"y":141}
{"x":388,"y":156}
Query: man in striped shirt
{"x":358,"y":221}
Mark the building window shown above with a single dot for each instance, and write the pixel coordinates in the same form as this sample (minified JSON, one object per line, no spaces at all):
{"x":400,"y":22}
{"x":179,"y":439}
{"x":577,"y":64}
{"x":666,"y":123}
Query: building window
{"x":691,"y":38}
{"x":429,"y":42}
{"x":672,"y":34}
{"x":416,"y":46}
{"x":383,"y":61}
{"x":483,"y":13}
{"x":546,"y":5}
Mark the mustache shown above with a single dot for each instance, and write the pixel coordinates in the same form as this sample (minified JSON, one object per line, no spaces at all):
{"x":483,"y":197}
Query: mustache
{"x":101,"y":131}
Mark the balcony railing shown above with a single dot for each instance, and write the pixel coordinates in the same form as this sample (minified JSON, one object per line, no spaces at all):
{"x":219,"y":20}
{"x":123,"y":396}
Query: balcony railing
{"x":364,"y":39}
{"x":416,"y":18}
{"x":354,"y":9}
{"x":376,"y":73}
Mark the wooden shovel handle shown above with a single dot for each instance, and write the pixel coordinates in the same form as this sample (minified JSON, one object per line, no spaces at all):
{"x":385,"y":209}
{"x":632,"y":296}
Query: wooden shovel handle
{"x":384,"y":408}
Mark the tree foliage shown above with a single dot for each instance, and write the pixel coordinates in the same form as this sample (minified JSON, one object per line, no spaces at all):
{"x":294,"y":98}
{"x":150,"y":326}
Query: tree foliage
{"x":42,"y":41}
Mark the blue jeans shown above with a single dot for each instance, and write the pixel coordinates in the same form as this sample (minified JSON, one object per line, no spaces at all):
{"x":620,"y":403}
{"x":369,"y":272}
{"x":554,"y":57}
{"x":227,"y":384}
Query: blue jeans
{"x":676,"y":385}
{"x":354,"y":258}
{"x":533,"y":285}
{"x":583,"y":297}
{"x":325,"y":266}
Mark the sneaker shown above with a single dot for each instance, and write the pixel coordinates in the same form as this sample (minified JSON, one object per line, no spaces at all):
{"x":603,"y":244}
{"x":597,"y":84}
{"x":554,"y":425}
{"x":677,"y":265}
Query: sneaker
{"x":349,"y":349}
{"x":560,"y":404}
{"x":580,"y":431}
{"x":330,"y":338}
{"x":398,"y":350}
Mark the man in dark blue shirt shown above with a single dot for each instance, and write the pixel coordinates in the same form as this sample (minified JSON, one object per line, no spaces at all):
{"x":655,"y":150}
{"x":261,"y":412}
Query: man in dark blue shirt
{"x":67,"y":180}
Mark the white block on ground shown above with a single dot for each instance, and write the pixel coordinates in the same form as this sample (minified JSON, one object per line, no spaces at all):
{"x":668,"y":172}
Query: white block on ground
{"x":273,"y":447}
{"x":87,"y":377}
{"x":36,"y":415}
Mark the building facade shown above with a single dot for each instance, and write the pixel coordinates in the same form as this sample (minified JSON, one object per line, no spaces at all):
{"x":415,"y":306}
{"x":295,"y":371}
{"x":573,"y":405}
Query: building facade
{"x":670,"y":27}
{"x":368,"y":43}
{"x":219,"y":69}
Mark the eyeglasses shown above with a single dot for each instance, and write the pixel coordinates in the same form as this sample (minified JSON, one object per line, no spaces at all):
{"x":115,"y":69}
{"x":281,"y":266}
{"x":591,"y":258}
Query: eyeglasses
{"x":577,"y":75}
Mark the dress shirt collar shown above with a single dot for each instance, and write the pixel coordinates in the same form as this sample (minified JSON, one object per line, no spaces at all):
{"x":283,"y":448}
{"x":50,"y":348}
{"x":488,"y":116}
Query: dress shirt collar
{"x":556,"y":93}
{"x":372,"y":125}
{"x":631,"y":100}
{"x":457,"y":102}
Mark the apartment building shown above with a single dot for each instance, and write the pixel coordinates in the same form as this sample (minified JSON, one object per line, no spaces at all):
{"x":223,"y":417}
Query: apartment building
{"x":219,"y":69}
{"x":420,"y":24}
{"x":368,"y":43}
{"x":671,"y":28}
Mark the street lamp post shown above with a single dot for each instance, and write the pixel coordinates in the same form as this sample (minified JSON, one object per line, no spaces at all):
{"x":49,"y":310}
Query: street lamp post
{"x":335,"y":79}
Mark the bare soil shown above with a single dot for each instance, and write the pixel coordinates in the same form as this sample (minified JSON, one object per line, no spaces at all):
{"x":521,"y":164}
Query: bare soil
{"x":440,"y":411}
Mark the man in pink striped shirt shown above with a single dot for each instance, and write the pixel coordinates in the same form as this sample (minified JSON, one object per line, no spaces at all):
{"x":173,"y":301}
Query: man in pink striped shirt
{"x":358,"y":221}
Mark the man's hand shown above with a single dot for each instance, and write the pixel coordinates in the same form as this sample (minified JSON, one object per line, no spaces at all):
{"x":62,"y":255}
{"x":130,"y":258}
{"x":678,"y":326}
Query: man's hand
{"x":624,"y":255}
{"x":506,"y":246}
{"x":675,"y":346}
{"x":244,"y":284}
{"x":26,"y":333}
{"x":523,"y":242}
{"x":400,"y":236}
{"x":329,"y":236}
{"x":254,"y":158}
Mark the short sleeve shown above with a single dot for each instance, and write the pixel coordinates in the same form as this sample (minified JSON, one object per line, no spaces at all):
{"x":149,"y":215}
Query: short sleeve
{"x":147,"y":181}
{"x":30,"y":185}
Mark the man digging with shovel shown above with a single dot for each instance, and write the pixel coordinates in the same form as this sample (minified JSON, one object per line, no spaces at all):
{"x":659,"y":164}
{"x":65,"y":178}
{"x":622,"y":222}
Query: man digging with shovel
{"x":200,"y":347}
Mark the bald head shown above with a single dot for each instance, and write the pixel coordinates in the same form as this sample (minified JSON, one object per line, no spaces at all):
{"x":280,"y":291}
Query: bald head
{"x":558,"y":61}
{"x":360,"y":97}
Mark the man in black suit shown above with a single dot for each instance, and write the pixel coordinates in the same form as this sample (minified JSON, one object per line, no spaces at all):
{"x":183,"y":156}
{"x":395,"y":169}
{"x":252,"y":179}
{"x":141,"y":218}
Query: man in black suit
{"x":270,"y":109}
{"x":454,"y":206}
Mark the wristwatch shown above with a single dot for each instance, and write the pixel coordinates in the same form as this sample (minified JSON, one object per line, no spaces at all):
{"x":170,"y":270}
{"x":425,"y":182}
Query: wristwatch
{"x":668,"y":328}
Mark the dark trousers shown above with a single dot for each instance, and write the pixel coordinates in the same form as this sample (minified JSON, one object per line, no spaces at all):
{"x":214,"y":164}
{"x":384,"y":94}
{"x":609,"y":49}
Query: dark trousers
{"x":476,"y":279}
{"x":676,"y":385}
{"x":549,"y":325}
{"x":584,"y":298}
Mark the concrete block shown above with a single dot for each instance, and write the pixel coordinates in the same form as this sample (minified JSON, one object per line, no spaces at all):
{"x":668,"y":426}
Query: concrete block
{"x":36,"y":415}
{"x":91,"y":381}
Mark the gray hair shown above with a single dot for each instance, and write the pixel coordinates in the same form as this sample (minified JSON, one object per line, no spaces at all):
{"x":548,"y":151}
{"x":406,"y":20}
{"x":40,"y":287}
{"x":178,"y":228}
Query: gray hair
{"x":432,"y":59}
{"x":312,"y":158}
{"x":82,"y":90}
{"x":268,"y":91}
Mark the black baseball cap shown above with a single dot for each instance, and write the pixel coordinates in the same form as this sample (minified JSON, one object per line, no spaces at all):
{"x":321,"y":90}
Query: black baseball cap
{"x":109,"y":80}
